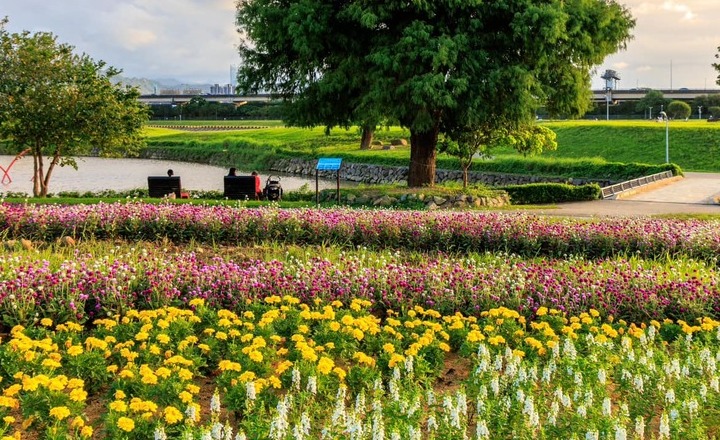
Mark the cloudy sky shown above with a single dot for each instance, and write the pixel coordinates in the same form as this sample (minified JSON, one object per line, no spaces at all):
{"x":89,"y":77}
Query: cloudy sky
{"x":194,"y":41}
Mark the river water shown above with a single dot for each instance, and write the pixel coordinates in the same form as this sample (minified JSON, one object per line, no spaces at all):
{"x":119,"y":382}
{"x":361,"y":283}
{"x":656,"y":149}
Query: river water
{"x":95,"y":174}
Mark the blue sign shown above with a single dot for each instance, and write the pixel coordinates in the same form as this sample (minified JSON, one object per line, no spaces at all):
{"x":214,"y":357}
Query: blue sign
{"x":329,"y":163}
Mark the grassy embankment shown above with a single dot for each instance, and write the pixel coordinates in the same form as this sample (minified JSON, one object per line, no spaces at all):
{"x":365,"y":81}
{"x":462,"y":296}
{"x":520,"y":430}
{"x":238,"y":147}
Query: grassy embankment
{"x":586,"y":148}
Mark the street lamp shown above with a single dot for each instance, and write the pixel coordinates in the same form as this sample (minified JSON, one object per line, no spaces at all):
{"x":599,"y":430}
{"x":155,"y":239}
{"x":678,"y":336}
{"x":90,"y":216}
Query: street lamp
{"x":650,"y":112}
{"x":667,"y":137}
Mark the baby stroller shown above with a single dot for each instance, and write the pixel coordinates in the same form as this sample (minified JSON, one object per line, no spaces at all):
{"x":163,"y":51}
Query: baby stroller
{"x":273,"y":190}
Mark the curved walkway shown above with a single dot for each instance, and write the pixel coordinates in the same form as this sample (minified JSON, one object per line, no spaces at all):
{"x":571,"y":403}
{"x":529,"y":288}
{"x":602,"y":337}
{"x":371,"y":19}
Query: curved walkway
{"x":693,"y":194}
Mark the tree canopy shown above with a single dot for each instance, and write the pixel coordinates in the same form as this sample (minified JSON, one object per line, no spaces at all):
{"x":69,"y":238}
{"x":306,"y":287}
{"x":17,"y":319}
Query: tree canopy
{"x":435,"y":67}
{"x":60,"y":105}
{"x":678,"y":110}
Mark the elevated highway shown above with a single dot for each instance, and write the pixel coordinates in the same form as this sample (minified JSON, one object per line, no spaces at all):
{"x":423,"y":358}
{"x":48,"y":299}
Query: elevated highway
{"x":637,"y":94}
{"x":184,"y":99}
{"x":598,"y":96}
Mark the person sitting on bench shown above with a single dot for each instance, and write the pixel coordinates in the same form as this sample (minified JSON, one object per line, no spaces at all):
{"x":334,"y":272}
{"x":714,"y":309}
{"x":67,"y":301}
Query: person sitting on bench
{"x":258,"y":185}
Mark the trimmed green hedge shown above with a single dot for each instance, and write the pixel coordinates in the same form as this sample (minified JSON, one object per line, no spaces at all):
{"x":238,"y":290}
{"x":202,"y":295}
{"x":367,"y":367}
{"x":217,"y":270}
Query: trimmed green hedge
{"x":542,"y":193}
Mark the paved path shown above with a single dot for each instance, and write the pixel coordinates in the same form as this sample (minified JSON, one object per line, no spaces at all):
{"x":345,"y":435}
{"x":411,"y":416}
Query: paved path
{"x":693,"y":194}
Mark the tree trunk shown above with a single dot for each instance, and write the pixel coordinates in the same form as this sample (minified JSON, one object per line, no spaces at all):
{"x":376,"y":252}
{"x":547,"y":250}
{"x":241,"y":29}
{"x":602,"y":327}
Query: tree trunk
{"x":422,"y":158}
{"x":367,"y":137}
{"x":38,"y":182}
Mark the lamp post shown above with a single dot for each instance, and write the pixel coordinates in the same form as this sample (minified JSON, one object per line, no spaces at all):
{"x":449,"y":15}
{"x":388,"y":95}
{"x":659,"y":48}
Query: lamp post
{"x":667,"y":138}
{"x":650,"y":112}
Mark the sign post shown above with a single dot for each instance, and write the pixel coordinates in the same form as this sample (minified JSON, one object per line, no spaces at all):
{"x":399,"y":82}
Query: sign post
{"x":327,"y":164}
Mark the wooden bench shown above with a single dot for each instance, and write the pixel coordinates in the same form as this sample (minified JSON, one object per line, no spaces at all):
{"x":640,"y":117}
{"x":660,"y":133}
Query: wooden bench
{"x":161,"y":186}
{"x":240,"y":187}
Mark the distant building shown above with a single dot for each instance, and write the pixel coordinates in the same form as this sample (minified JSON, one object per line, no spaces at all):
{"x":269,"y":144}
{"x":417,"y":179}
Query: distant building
{"x":226,"y":89}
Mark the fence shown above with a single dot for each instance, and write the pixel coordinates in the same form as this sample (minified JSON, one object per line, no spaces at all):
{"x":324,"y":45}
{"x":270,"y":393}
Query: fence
{"x":610,"y":192}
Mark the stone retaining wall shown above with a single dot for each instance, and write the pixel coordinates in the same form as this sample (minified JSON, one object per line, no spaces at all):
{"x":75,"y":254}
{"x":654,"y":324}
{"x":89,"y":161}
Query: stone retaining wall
{"x":378,"y":174}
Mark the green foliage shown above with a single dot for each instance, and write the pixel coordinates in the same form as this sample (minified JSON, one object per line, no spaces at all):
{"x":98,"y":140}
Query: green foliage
{"x":435,"y":67}
{"x":60,"y":105}
{"x":541,"y":193}
{"x":678,"y":110}
{"x":714,"y":111}
{"x":654,"y":99}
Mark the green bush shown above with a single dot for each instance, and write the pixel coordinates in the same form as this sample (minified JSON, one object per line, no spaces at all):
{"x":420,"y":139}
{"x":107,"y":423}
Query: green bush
{"x":541,"y":193}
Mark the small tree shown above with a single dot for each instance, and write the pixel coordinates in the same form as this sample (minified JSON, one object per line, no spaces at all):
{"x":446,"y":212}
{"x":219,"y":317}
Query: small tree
{"x":62,"y":105}
{"x":679,"y":110}
{"x":654,"y":99}
{"x":467,"y":144}
{"x":714,"y":111}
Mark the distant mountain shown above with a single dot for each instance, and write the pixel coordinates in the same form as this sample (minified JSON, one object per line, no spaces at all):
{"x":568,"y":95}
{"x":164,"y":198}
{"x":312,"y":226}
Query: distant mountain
{"x":158,"y":86}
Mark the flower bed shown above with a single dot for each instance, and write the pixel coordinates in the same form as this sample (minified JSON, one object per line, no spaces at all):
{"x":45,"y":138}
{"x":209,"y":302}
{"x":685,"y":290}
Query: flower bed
{"x":422,"y":231}
{"x":282,"y":369}
{"x":88,"y":287}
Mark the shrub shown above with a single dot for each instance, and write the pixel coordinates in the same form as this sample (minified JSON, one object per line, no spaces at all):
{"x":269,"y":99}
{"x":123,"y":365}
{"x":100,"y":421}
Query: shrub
{"x":539,"y":193}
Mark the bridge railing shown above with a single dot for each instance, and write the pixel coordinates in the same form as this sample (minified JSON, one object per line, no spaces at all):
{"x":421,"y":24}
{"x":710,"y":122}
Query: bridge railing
{"x":611,"y":192}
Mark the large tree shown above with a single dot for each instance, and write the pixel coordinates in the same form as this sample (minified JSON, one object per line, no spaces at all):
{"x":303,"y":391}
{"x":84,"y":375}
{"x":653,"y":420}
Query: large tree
{"x":61,"y":105}
{"x":434,"y":66}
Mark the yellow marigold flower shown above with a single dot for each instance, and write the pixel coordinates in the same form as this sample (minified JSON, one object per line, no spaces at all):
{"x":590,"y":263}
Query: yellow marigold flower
{"x":194,"y":389}
{"x":197,"y":302}
{"x":518,"y":353}
{"x":283,"y":366}
{"x":325,"y":365}
{"x":163,"y":338}
{"x":444,"y":346}
{"x":475,"y":336}
{"x":78,"y":395}
{"x":334,"y":326}
{"x":255,"y":356}
{"x":163,"y":372}
{"x":141,"y":336}
{"x":126,"y":424}
{"x":86,"y":431}
{"x":358,"y":334}
{"x":389,"y":348}
{"x":594,"y":313}
{"x":274,"y":382}
{"x":9,"y":420}
{"x":111,"y":368}
{"x":12,"y":390}
{"x":77,"y":422}
{"x":172,"y":415}
{"x":273,"y":299}
{"x":340,"y":373}
{"x":496,"y":340}
{"x":118,"y":406}
{"x":222,"y":336}
{"x":601,"y":339}
{"x":185,"y":374}
{"x":247,"y":377}
{"x":29,"y":356}
{"x":46,"y":322}
{"x":204,"y":347}
{"x":75,"y":350}
{"x":30,"y":383}
{"x":395,"y":359}
{"x":9,"y":402}
{"x":149,"y":379}
{"x":120,"y":394}
{"x":60,"y":412}
{"x":126,"y":374}
{"x":185,"y":397}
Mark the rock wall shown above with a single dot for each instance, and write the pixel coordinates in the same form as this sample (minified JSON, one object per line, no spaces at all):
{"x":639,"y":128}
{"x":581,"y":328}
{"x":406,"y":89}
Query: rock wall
{"x":378,"y":174}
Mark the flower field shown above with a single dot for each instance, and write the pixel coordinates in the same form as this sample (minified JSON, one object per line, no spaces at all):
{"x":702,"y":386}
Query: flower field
{"x":236,"y":323}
